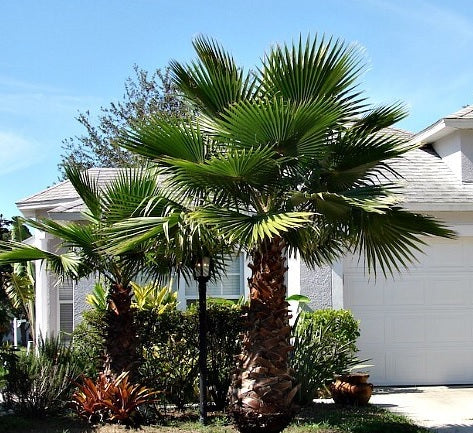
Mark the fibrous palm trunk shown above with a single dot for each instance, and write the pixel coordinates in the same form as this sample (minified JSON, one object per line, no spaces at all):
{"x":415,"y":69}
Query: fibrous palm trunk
{"x":263,"y":387}
{"x":120,"y":332}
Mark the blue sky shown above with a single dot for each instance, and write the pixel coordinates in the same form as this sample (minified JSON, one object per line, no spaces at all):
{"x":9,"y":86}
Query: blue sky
{"x":59,"y":57}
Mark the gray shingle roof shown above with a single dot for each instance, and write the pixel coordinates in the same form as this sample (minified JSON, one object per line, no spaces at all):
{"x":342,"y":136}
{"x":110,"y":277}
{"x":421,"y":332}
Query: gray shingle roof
{"x":465,"y":113}
{"x":64,"y":191}
{"x":426,"y":179}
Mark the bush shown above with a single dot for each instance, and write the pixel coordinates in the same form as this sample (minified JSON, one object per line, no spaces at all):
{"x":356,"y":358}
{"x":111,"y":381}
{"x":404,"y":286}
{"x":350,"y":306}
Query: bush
{"x":40,"y":383}
{"x":88,"y":342}
{"x":168,"y":344}
{"x":223,"y":329}
{"x":170,"y":354}
{"x":324,"y":345}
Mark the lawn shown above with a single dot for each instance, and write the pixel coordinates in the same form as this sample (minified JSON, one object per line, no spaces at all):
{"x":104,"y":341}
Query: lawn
{"x":319,"y":417}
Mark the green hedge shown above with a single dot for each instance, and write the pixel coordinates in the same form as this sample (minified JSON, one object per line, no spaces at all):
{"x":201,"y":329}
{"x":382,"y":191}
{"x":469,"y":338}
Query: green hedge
{"x":168,"y":347}
{"x":324,"y":340}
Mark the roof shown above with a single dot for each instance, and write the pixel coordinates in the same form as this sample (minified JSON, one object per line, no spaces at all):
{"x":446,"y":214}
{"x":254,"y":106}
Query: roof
{"x":62,"y":197}
{"x":428,"y":183}
{"x":461,"y":119}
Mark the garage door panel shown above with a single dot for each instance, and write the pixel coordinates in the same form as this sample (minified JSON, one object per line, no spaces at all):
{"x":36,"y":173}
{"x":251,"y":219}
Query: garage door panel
{"x":418,"y":327}
{"x":403,"y":292}
{"x":404,"y":368}
{"x":448,"y":327}
{"x":372,"y":330}
{"x":405,"y":329}
{"x":450,"y":369}
{"x":361,"y":294}
{"x":455,"y":290}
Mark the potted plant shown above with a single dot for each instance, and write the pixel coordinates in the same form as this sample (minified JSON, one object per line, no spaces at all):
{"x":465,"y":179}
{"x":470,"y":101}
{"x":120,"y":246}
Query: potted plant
{"x":352,"y":388}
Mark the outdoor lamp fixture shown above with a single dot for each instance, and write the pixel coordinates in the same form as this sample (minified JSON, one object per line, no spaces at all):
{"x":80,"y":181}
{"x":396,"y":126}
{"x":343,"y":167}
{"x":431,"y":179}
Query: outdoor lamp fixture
{"x":202,"y":270}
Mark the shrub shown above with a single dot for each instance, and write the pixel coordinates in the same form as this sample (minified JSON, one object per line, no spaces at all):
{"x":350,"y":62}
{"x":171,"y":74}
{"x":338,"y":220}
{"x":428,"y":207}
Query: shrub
{"x":40,"y":383}
{"x":223,"y":329}
{"x":111,"y":399}
{"x":170,"y":354}
{"x":168,"y":344}
{"x":88,"y":342}
{"x":324,"y":345}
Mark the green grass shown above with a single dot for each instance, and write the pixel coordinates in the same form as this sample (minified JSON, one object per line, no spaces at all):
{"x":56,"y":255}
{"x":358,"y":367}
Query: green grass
{"x":318,"y":418}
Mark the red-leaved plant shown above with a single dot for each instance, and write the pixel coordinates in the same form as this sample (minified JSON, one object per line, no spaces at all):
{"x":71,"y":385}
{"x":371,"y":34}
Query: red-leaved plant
{"x":111,"y":399}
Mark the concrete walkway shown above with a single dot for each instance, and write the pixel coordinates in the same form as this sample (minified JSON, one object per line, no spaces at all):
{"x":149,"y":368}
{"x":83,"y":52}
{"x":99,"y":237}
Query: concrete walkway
{"x":443,"y":409}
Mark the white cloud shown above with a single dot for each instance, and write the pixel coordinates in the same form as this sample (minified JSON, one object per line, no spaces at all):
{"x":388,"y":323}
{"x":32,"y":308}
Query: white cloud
{"x":17,"y":152}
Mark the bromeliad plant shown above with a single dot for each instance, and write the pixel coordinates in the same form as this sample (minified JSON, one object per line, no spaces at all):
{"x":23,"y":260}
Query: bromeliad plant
{"x":111,"y":399}
{"x":287,"y":159}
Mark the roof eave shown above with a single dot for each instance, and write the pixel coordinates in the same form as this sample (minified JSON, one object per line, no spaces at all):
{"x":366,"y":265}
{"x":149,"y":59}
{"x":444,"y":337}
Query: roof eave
{"x":440,"y":129}
{"x":438,"y":206}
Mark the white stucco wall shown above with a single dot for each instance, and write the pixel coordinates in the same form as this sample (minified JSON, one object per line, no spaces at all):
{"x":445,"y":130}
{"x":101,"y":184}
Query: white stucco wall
{"x":81,"y":289}
{"x":317,"y":285}
{"x":449,"y":149}
{"x":466,"y":138}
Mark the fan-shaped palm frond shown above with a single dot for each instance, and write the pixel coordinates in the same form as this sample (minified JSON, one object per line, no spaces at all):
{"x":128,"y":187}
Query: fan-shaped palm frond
{"x":67,"y":263}
{"x":312,"y":70}
{"x":155,"y":137}
{"x":249,"y":230}
{"x":214,"y":81}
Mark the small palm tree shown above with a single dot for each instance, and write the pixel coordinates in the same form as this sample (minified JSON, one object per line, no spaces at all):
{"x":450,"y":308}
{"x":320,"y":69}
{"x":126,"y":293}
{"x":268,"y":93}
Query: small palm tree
{"x":20,"y":284}
{"x":83,"y":253}
{"x":289,"y":159}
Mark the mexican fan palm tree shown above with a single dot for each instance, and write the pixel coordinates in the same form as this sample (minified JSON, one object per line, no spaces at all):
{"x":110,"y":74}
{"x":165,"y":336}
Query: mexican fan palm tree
{"x":81,"y":252}
{"x":287,"y":159}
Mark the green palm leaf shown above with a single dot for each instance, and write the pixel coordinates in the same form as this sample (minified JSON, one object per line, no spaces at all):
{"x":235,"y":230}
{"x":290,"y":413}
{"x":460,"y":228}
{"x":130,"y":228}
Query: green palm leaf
{"x":290,"y":128}
{"x":213,"y":82}
{"x":312,"y":70}
{"x":87,"y":188}
{"x":14,"y":252}
{"x":249,"y":230}
{"x":390,"y":240}
{"x":156,"y":137}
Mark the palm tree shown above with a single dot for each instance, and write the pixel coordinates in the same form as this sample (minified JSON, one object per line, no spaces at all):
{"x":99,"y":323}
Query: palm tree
{"x":288,"y":159}
{"x":81,"y":253}
{"x":20,"y":284}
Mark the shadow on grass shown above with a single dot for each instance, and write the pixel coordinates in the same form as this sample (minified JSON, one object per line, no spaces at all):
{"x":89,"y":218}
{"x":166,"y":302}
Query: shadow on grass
{"x":369,"y":419}
{"x":19,"y":424}
{"x":318,"y":417}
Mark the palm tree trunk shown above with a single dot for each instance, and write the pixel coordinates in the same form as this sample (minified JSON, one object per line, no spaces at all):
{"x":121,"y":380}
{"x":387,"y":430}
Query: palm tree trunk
{"x":263,"y":387}
{"x":120,"y":332}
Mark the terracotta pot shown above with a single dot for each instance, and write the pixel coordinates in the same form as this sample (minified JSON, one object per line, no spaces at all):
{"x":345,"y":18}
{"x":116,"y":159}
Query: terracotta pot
{"x":352,"y":389}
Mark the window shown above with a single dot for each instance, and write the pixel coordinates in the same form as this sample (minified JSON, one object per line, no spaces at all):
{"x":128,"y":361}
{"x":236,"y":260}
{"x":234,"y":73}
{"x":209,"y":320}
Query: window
{"x":230,"y":286}
{"x":66,"y":315}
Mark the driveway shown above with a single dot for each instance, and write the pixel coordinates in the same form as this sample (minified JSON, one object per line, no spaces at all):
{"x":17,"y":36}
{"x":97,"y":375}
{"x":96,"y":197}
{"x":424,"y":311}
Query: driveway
{"x":443,"y":409}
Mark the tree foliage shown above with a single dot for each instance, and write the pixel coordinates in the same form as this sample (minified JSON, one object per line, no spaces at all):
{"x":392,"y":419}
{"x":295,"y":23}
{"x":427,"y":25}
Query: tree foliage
{"x":145,"y":94}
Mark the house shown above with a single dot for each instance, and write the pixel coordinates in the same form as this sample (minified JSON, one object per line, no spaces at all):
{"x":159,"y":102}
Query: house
{"x":416,"y":327}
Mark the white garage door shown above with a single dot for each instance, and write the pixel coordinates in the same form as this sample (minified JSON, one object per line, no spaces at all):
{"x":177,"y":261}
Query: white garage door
{"x":418,"y":327}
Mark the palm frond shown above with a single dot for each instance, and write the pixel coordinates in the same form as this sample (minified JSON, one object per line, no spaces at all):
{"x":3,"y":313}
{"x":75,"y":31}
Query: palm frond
{"x":289,"y":128}
{"x":214,"y":81}
{"x":19,"y":289}
{"x":234,"y":176}
{"x":155,"y":137}
{"x":249,"y":230}
{"x":314,"y":69}
{"x":390,"y":240}
{"x":67,"y":264}
{"x":87,"y":188}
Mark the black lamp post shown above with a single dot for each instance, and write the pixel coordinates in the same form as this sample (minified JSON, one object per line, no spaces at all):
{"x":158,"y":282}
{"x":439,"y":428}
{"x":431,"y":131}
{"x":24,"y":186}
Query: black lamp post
{"x":202,"y":275}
